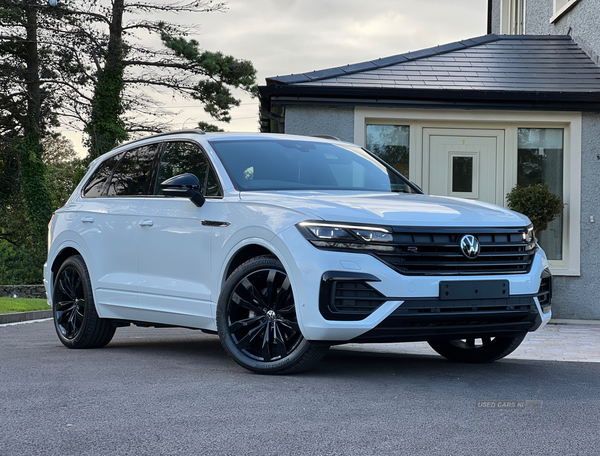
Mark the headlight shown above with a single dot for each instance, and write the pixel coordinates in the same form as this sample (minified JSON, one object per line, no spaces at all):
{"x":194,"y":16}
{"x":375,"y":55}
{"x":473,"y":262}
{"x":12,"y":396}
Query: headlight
{"x":329,"y":232}
{"x":341,"y":236}
{"x":529,"y":238}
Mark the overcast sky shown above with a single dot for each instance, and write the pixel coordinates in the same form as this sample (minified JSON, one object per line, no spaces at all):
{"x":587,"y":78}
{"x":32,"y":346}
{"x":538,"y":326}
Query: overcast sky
{"x":295,"y":36}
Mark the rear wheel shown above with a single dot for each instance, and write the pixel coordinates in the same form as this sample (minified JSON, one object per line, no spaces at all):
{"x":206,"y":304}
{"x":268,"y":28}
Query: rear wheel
{"x":257,"y":323}
{"x":75,"y":318}
{"x":482,"y":350}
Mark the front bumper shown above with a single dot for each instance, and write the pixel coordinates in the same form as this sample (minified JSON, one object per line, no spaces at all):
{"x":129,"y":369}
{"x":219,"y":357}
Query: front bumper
{"x":409,"y":307}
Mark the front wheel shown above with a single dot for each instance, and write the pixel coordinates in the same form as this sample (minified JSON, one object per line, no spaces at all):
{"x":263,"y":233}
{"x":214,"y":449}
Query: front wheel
{"x":482,"y":350}
{"x":257,"y":323}
{"x":75,"y":319}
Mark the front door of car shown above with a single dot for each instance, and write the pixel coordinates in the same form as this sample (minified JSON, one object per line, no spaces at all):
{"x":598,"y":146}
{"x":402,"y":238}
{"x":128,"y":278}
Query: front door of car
{"x":174,"y":245}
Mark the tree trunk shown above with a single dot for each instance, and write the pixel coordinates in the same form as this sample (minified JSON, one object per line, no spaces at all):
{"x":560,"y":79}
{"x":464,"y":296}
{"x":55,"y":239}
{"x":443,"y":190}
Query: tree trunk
{"x":33,"y":170}
{"x":106,"y":128}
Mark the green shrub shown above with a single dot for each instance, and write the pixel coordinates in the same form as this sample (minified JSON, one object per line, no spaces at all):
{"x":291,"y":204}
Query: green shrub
{"x":536,"y":202}
{"x":19,"y":267}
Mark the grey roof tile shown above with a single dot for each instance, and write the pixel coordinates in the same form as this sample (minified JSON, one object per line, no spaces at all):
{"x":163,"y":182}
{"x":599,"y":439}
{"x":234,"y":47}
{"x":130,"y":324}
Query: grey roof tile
{"x":551,"y":63}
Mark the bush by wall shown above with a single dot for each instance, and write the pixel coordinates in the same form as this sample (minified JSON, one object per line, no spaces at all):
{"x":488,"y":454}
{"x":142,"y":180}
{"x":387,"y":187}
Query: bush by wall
{"x":19,"y":266}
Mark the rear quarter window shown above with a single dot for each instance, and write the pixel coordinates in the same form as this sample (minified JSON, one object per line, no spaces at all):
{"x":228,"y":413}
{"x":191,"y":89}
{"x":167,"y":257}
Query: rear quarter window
{"x":97,"y":183}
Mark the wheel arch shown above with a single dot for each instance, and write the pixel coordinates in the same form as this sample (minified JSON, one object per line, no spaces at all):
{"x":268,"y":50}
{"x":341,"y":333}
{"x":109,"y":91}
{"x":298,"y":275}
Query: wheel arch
{"x":244,"y":250}
{"x":57,"y":258}
{"x":60,"y":259}
{"x":245,"y":253}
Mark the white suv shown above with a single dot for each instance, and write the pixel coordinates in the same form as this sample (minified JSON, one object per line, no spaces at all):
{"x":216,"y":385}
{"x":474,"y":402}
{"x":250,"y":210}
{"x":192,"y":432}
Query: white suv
{"x":285,"y":245}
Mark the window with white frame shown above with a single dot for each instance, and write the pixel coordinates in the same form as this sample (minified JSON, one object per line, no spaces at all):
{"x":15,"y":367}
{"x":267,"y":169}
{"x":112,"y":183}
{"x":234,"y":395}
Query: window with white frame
{"x":561,"y":7}
{"x":540,"y":157}
{"x":390,"y":143}
{"x":512,"y":17}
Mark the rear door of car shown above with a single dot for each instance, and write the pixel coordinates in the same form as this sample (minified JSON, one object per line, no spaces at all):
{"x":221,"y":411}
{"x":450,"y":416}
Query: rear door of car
{"x":109,"y":222}
{"x":174,"y":245}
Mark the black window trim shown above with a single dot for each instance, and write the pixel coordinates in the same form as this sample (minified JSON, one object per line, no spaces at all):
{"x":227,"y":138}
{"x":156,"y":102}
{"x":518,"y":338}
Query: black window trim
{"x":154,"y":171}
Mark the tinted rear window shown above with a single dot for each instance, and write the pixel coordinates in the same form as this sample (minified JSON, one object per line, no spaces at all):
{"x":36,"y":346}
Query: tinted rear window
{"x":134,"y":172}
{"x":96,"y":185}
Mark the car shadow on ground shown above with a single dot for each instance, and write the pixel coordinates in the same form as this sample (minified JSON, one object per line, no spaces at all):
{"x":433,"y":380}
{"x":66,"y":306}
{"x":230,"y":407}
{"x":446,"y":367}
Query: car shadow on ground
{"x":196,"y":347}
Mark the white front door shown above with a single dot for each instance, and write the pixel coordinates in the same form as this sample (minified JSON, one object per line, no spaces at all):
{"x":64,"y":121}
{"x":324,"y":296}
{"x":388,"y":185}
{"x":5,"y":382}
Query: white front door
{"x":464,"y":163}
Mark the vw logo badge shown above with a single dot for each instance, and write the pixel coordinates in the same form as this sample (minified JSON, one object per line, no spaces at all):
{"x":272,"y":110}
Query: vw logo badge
{"x":469,"y":245}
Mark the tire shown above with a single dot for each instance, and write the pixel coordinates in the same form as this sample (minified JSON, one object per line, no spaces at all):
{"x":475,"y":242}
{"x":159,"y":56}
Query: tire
{"x":467,"y":351}
{"x":257,"y":324}
{"x":74,"y":312}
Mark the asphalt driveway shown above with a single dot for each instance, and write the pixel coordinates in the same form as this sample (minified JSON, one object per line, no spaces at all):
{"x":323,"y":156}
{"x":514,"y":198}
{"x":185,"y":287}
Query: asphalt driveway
{"x":174,"y":391}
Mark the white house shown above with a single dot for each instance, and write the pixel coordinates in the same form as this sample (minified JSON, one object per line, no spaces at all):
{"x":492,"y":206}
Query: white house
{"x":476,"y":117}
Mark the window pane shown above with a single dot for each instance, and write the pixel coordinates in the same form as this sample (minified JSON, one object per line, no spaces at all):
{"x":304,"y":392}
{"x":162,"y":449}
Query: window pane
{"x":305,"y":165}
{"x":212,"y":184}
{"x":462,"y":174}
{"x":97,"y":183}
{"x":540,"y":160}
{"x":132,"y":176}
{"x":181,"y":158}
{"x":390,"y":143}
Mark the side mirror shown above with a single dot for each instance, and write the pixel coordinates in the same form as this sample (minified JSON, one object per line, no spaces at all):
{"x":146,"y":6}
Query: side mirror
{"x":186,"y":185}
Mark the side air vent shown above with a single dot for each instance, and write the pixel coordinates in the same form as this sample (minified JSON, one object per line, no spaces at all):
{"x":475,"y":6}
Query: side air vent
{"x":348,"y":296}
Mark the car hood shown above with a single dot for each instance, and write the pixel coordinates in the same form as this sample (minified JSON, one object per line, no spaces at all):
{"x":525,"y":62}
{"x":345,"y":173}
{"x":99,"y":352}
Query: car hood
{"x":388,"y":208}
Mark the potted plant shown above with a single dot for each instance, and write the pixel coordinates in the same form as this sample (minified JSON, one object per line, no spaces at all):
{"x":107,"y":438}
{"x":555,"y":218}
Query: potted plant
{"x":536,"y":202}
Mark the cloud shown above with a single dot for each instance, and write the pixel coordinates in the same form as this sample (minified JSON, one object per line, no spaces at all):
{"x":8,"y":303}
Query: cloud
{"x":295,"y":36}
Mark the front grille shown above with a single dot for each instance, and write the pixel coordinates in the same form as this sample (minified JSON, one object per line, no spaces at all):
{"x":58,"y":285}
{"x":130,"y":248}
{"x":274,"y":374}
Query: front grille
{"x":470,"y":306}
{"x":437,"y":251}
{"x":431,"y":319}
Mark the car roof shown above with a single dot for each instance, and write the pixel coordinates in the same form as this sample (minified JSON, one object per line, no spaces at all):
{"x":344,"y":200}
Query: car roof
{"x":218,"y":136}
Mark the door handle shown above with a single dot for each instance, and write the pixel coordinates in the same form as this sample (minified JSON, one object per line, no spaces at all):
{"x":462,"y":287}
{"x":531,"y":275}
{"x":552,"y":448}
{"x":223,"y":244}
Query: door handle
{"x":146,"y":223}
{"x":88,"y":219}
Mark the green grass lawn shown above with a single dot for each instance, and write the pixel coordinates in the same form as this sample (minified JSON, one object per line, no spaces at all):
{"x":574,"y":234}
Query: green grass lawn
{"x":11,"y":305}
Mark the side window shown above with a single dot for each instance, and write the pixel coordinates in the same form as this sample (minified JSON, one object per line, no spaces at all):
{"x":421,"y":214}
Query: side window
{"x":212,"y":184}
{"x":133,"y":175}
{"x":184,"y":157}
{"x":97,"y":183}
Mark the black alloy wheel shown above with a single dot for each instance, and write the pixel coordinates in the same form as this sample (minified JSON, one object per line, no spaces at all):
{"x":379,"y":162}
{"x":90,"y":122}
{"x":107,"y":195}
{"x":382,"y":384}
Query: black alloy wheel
{"x":75,"y":318}
{"x":262,"y":317}
{"x":69,"y":303}
{"x":257,"y":321}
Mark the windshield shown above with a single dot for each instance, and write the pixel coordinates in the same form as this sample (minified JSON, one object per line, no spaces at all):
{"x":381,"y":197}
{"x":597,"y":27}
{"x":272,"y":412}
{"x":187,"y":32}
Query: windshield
{"x":267,"y":164}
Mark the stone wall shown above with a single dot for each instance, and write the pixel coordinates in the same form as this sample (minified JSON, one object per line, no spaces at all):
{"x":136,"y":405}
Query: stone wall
{"x":579,"y":297}
{"x":496,"y":16}
{"x":24,"y":291}
{"x":336,"y":121}
{"x":581,"y":22}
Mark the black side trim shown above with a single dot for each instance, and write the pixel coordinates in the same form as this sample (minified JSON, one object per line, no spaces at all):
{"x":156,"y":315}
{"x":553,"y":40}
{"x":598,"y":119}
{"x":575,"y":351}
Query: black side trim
{"x":214,"y":223}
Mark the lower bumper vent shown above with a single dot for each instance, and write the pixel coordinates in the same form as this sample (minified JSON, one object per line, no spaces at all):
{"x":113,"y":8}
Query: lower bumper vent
{"x":348,"y":296}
